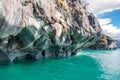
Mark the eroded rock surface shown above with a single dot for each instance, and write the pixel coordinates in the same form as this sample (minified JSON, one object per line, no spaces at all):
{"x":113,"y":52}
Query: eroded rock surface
{"x":105,"y":43}
{"x":45,"y":28}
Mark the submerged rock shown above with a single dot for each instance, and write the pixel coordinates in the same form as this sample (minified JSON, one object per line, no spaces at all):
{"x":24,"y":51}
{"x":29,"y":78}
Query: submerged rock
{"x":38,"y":29}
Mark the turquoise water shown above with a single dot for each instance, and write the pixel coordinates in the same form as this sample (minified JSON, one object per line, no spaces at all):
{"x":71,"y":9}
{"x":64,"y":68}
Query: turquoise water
{"x":88,"y":65}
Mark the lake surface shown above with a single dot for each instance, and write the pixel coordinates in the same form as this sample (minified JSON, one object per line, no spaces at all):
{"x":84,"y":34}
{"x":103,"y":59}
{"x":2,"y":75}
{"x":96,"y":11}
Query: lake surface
{"x":88,"y":65}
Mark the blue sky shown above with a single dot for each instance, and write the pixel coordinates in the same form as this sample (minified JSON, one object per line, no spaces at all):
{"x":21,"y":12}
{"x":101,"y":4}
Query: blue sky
{"x":108,"y":14}
{"x":114,"y":16}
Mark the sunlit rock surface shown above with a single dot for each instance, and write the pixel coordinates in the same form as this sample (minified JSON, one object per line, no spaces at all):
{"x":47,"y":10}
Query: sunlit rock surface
{"x":36,"y":29}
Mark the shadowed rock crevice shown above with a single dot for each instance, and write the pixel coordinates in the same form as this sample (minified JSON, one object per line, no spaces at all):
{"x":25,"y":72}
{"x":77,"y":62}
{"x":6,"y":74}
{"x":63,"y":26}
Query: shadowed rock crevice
{"x":43,"y":53}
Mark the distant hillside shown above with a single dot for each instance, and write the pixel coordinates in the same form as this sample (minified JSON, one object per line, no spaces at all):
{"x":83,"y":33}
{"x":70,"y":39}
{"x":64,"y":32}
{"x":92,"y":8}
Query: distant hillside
{"x":105,"y":43}
{"x":118,"y":43}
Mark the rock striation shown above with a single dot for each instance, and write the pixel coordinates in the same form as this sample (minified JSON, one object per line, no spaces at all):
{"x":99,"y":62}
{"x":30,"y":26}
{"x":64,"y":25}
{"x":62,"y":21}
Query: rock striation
{"x":36,"y":29}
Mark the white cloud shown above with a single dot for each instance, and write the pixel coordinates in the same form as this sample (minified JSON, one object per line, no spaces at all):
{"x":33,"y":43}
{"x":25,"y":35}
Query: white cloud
{"x":101,"y":6}
{"x":109,"y":29}
{"x":104,"y":21}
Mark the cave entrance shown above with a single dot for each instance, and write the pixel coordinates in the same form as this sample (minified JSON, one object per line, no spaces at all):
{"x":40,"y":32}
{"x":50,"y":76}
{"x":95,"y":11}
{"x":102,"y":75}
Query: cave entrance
{"x":43,"y":53}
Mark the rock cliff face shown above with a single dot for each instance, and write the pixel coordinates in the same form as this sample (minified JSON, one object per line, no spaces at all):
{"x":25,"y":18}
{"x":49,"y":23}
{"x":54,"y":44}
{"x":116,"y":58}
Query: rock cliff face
{"x":34,"y":29}
{"x":105,"y":43}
